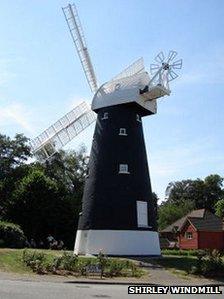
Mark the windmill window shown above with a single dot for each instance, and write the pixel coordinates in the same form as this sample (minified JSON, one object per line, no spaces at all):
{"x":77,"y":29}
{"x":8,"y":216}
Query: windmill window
{"x":123,"y":168}
{"x":138,"y":118}
{"x":123,"y":132}
{"x":142,"y":213}
{"x":189,"y":235}
{"x":105,"y":115}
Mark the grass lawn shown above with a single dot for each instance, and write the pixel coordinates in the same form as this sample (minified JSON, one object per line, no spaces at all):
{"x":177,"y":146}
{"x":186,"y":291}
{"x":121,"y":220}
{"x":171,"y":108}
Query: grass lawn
{"x":11,"y":260}
{"x":179,"y":264}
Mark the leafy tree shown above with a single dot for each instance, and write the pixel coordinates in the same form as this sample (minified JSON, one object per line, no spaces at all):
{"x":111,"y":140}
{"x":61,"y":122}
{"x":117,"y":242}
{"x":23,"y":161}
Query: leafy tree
{"x":170,"y":212}
{"x":202,"y":193}
{"x":69,"y":170}
{"x":219,"y":208}
{"x":40,"y":208}
{"x":213,"y":191}
{"x":42,"y":198}
{"x":155,"y":200}
{"x":13,"y":153}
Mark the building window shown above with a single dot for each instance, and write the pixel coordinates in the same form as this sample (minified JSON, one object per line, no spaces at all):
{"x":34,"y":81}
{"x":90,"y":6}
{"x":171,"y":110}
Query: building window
{"x":105,"y":115}
{"x":123,"y":168}
{"x":189,"y":235}
{"x":142,"y":213}
{"x":138,"y":118}
{"x":123,"y":132}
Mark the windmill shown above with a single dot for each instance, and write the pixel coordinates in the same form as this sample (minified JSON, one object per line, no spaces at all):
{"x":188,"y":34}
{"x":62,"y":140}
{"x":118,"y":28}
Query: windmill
{"x":118,"y":215}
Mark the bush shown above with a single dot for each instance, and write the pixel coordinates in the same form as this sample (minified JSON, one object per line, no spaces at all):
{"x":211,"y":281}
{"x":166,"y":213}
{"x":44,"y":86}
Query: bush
{"x":37,"y":261}
{"x":11,"y":235}
{"x":209,"y":264}
{"x":71,"y":264}
{"x":67,"y":261}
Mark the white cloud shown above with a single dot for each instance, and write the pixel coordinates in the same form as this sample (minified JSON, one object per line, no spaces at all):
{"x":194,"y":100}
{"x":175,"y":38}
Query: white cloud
{"x":15,"y":113}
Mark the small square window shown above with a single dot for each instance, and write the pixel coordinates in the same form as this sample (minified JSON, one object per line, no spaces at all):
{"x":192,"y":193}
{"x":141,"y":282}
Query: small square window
{"x":123,"y":132}
{"x":138,"y":118}
{"x":189,"y":235}
{"x":105,"y":115}
{"x":123,"y":168}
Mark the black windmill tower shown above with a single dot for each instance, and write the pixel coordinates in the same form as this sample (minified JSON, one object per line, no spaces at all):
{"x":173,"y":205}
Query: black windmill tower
{"x":118,"y":213}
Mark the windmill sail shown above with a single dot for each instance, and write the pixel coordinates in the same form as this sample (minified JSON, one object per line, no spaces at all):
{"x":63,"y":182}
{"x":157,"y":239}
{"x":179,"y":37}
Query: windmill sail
{"x":75,"y":28}
{"x":63,"y":131}
{"x":133,"y":69}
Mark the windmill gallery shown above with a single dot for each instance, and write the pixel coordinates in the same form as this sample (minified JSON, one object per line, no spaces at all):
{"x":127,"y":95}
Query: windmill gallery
{"x":117,"y":216}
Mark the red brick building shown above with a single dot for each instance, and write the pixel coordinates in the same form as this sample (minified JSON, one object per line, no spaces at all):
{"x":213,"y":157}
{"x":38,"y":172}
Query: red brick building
{"x":199,"y":229}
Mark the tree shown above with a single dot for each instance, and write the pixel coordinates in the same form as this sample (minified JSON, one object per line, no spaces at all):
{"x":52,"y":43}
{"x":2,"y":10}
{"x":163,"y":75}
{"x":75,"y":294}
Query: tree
{"x":202,"y":193}
{"x":219,"y":208}
{"x":40,"y":208}
{"x":42,"y":198}
{"x":13,"y":153}
{"x":170,"y":212}
{"x":69,"y":170}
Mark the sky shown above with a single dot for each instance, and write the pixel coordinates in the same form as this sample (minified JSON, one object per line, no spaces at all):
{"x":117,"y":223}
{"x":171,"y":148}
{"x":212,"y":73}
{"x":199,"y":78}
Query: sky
{"x":41,"y":77}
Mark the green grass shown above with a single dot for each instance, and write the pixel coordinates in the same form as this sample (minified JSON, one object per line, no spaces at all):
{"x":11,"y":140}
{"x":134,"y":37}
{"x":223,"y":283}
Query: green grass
{"x":180,"y":252}
{"x":181,"y":264}
{"x":11,"y":260}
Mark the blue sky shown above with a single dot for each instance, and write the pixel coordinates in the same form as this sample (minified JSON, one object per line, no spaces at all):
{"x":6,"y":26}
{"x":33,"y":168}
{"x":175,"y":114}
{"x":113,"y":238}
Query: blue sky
{"x":41,"y":77}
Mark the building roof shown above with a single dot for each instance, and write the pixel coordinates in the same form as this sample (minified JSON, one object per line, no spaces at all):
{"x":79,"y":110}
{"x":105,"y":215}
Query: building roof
{"x":202,"y":220}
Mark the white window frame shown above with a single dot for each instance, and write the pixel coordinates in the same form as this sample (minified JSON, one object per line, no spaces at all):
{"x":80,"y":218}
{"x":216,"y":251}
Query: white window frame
{"x":123,"y":132}
{"x":123,"y":169}
{"x":138,"y":118}
{"x":142,"y":213}
{"x":189,"y":235}
{"x":105,"y":116}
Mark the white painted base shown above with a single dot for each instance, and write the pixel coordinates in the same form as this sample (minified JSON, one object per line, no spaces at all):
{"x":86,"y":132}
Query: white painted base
{"x":117,"y":242}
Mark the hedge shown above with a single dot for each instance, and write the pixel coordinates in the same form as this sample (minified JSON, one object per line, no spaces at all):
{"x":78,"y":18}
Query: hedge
{"x":11,"y":235}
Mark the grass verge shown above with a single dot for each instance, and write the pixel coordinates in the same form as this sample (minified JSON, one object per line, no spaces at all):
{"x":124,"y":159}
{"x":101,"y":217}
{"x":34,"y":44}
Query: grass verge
{"x":63,"y":263}
{"x":177,"y":264}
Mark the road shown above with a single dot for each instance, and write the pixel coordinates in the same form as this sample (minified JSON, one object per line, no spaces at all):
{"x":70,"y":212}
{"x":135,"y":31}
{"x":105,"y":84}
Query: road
{"x":16,"y":289}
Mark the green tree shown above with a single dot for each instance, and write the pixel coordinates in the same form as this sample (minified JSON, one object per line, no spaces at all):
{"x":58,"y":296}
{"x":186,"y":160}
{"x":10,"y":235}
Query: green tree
{"x":13,"y":153}
{"x":170,"y":212}
{"x":40,"y":207}
{"x":219,"y":208}
{"x":202,"y":193}
{"x":69,"y":170}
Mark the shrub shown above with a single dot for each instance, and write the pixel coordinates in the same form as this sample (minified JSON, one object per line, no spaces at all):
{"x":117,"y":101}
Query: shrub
{"x":68,"y":263}
{"x":37,"y":261}
{"x":115,"y":268}
{"x":2,"y":243}
{"x":103,"y":260}
{"x":209,"y":263}
{"x":11,"y":235}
